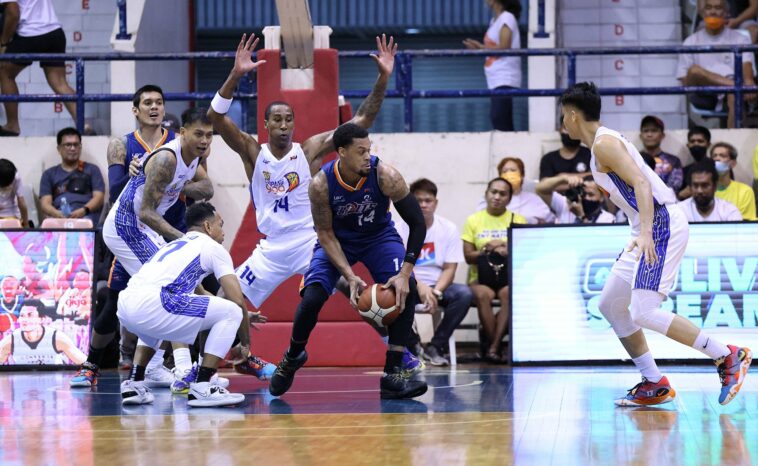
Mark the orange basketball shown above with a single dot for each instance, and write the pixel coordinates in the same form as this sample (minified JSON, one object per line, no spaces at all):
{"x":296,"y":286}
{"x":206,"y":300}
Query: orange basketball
{"x":377,"y":305}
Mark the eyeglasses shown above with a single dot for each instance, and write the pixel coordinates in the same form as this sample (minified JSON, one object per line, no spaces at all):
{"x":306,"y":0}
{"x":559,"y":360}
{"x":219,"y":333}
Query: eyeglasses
{"x":72,"y":145}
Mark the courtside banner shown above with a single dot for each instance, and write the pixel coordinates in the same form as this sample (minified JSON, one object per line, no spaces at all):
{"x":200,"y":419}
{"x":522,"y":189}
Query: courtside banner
{"x":558,"y":273}
{"x":46,"y":284}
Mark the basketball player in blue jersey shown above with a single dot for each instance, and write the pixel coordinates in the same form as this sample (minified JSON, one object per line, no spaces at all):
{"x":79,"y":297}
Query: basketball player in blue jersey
{"x":350,"y":205}
{"x":645,"y":271}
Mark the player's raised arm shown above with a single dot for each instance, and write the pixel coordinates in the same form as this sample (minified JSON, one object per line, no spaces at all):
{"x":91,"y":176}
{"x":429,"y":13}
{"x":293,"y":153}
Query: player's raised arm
{"x":201,"y":187}
{"x":321,"y":144}
{"x":393,"y":185}
{"x":158,"y":173}
{"x":612,"y":155}
{"x":240,"y":142}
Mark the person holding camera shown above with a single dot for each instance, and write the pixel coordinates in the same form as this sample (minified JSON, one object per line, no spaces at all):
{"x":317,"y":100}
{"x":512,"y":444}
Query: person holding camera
{"x":582,"y":202}
{"x":485,"y":248}
{"x":73,"y":188}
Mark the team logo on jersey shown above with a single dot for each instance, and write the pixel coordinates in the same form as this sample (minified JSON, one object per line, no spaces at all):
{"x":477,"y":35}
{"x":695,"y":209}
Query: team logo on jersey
{"x":286,"y":184}
{"x":356,"y":208}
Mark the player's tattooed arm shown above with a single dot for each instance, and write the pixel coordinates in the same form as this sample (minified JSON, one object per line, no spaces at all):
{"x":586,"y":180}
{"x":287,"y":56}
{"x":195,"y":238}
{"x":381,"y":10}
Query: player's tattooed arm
{"x":117,"y":151}
{"x":391,"y":182}
{"x":158,"y":174}
{"x":118,"y":175}
{"x":201,"y":187}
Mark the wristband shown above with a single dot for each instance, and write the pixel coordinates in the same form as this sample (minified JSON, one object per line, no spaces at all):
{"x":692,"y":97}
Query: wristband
{"x":410,"y":258}
{"x":87,"y":210}
{"x":221,"y":104}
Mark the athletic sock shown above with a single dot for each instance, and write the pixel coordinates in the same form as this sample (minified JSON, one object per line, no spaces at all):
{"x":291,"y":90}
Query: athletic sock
{"x":296,"y":347}
{"x":394,"y":361}
{"x":156,"y":361}
{"x":182,"y":360}
{"x":95,"y":355}
{"x":204,"y":374}
{"x":647,"y":366}
{"x":712,"y":348}
{"x":138,"y":373}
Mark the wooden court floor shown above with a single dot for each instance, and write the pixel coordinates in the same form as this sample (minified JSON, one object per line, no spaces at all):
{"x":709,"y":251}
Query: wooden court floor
{"x":474,"y":415}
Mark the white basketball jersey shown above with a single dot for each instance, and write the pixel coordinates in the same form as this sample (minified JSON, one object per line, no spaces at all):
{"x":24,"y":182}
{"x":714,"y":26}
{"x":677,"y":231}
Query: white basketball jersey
{"x":279,"y":189}
{"x":41,"y":352}
{"x":619,"y":191}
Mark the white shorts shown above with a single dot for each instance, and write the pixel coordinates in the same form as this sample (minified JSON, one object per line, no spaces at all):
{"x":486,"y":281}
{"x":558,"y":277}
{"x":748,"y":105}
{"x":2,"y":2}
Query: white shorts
{"x":670,"y":235}
{"x":144,"y":312}
{"x":131,"y":244}
{"x":274,"y":260}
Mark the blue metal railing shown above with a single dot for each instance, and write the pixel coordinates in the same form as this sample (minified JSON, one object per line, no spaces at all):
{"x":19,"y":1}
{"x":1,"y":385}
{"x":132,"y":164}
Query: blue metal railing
{"x":404,"y":77}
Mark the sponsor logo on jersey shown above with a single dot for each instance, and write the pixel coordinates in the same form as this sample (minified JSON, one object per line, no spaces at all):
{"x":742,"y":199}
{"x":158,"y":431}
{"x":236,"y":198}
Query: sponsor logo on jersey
{"x":426,"y":256}
{"x":287,"y":183}
{"x":356,"y":208}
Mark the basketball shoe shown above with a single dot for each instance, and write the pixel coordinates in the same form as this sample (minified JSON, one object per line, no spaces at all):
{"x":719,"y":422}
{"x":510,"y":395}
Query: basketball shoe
{"x":86,"y":376}
{"x":181,"y":383}
{"x":401,"y":384}
{"x":206,"y":394}
{"x":732,"y":370}
{"x":135,"y":393}
{"x":647,"y":393}
{"x":411,"y":364}
{"x":160,"y":377}
{"x":256,"y":367}
{"x":284,"y":374}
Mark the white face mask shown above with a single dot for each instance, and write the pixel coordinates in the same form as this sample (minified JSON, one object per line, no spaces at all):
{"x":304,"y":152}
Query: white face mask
{"x":722,"y":167}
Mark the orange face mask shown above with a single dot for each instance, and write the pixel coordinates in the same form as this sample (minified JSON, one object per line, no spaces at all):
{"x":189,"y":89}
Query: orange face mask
{"x":714,"y":23}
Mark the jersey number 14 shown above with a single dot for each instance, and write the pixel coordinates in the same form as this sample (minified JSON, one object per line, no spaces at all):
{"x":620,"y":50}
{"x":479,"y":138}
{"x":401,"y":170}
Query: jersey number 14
{"x":282,"y":204}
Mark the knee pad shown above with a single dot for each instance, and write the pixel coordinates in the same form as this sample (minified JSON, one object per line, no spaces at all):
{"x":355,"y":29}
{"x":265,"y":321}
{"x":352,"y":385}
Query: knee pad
{"x":646,"y":312}
{"x":614,"y":305}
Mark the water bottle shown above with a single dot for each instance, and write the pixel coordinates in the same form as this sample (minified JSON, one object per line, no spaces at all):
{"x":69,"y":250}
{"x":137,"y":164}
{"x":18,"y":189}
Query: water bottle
{"x":65,"y":208}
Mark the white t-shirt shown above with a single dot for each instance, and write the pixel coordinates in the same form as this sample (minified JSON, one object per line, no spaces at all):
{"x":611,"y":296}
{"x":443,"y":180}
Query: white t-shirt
{"x":9,"y":198}
{"x":528,"y":205}
{"x":503,"y":71}
{"x":719,"y":63}
{"x":37,"y":17}
{"x":723,"y":211}
{"x":560,"y":206}
{"x":442,"y":245}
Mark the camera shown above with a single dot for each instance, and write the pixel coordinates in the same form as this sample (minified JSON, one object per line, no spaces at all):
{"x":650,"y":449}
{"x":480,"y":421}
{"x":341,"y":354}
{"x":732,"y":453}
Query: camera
{"x":575,"y":194}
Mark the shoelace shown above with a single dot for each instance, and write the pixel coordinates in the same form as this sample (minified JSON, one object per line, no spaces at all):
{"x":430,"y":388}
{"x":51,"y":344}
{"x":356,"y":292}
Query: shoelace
{"x":632,"y":391}
{"x":256,"y":362}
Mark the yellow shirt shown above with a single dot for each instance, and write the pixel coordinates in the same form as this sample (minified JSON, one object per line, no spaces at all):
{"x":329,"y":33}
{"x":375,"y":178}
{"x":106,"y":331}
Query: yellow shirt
{"x":742,"y":196}
{"x":481,"y":228}
{"x":755,"y":163}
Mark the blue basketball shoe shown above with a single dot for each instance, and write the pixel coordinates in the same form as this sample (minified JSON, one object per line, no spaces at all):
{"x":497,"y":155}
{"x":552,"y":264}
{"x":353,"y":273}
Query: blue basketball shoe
{"x":86,"y":376}
{"x":411,"y":364}
{"x":256,"y":367}
{"x":732,"y":370}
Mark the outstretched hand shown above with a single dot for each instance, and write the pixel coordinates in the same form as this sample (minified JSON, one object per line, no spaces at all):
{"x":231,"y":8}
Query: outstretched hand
{"x":385,"y":56}
{"x":243,"y":60}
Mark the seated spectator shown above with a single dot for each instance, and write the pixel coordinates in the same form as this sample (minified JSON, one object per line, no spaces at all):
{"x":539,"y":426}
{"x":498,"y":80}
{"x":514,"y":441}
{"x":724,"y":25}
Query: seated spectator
{"x":725,"y":157}
{"x":435,"y":271}
{"x":715,"y":69}
{"x":704,"y":206}
{"x":755,"y":172}
{"x":74,"y":188}
{"x":572,"y":157}
{"x":667,"y":166}
{"x":524,"y":203}
{"x":581,"y":203}
{"x":698,"y":142}
{"x":12,"y":202}
{"x":743,"y":14}
{"x":485,"y":248}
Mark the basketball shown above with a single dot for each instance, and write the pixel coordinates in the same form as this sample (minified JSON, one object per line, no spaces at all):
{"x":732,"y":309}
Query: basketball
{"x":377,"y":305}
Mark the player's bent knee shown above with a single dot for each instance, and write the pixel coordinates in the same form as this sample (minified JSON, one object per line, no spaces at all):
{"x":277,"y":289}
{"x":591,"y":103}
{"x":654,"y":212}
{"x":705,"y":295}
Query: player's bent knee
{"x":314,"y":297}
{"x":646,"y":312}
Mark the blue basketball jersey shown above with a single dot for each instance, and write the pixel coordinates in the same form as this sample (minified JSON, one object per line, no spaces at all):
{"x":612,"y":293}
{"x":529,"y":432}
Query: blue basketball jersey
{"x":136,"y":147}
{"x":360,"y":211}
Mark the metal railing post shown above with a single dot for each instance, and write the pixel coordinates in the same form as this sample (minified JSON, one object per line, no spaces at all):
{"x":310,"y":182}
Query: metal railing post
{"x":122,"y":34}
{"x":738,"y":83}
{"x":571,"y":69}
{"x":80,"y":95}
{"x":405,"y":86}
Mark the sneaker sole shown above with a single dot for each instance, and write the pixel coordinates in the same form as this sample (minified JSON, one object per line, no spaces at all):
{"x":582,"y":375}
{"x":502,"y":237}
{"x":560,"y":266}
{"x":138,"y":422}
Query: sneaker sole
{"x":391,"y":395}
{"x":623,"y":402}
{"x":81,"y":384}
{"x":196,"y":403}
{"x":135,"y":400}
{"x":158,"y":384}
{"x":744,"y":366}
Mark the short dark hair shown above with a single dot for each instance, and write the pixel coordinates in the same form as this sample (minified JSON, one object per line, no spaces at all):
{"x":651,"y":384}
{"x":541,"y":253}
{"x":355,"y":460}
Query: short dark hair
{"x":7,"y":172}
{"x":511,"y":6}
{"x":653,"y":120}
{"x":35,"y":303}
{"x":424,"y":184}
{"x":585,"y":97}
{"x":704,"y":166}
{"x":146,"y":88}
{"x":346,"y":133}
{"x":728,"y":147}
{"x":700,"y":130}
{"x":267,"y":112}
{"x":195,"y":115}
{"x":199,"y":212}
{"x":494,"y":180}
{"x":68,"y":132}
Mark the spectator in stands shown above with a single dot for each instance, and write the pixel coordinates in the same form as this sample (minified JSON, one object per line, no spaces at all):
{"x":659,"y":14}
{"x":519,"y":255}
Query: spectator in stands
{"x":12,"y":202}
{"x":698,"y":142}
{"x":743,"y":14}
{"x":715,"y":69}
{"x":667,"y":166}
{"x":31,"y":26}
{"x":524,"y":203}
{"x":725,"y":157}
{"x":501,"y":72}
{"x":435,"y":270}
{"x":704,"y":206}
{"x":572,"y":157}
{"x":485,"y":248}
{"x":755,"y":172}
{"x":581,"y":203}
{"x":73,"y":188}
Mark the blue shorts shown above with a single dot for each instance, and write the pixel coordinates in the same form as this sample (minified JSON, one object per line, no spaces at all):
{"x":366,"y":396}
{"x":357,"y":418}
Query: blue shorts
{"x":119,"y":277}
{"x":382,"y":254}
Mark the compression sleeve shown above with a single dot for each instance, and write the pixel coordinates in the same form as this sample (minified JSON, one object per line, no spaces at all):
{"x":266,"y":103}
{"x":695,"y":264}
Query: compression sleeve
{"x":410,"y":212}
{"x":117,"y":179}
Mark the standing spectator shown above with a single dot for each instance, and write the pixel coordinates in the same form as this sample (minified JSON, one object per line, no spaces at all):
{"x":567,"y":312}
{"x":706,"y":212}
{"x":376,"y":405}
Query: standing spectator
{"x":501,"y":72}
{"x":435,"y":270}
{"x":704,"y":206}
{"x":581,"y":203}
{"x":698,"y":142}
{"x":572,"y":157}
{"x":715,"y":69}
{"x":73,"y":188}
{"x":725,"y":157}
{"x":12,"y":202}
{"x":667,"y":166}
{"x":31,"y":26}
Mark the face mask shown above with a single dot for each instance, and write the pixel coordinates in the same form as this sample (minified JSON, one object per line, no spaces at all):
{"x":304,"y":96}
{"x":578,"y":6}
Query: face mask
{"x":698,"y":152}
{"x":514,"y":178}
{"x":590,"y":207}
{"x":568,"y":142}
{"x":722,"y":167}
{"x":714,"y":23}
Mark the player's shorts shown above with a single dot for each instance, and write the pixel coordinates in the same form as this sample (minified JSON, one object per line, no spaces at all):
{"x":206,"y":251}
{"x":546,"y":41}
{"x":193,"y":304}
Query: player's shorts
{"x":154,"y":315}
{"x":131,"y":245}
{"x":118,"y":278}
{"x":670,"y":235}
{"x":274,"y":260}
{"x":51,"y":42}
{"x":382,"y":254}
